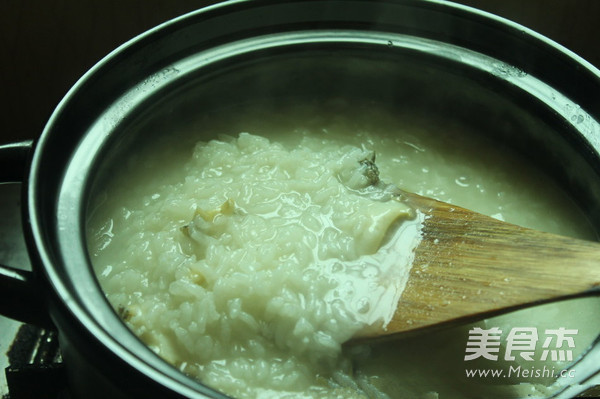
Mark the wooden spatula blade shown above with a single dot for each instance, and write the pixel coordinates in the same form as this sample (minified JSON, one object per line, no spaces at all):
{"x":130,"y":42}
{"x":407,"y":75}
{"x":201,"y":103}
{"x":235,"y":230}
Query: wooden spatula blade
{"x":469,"y":266}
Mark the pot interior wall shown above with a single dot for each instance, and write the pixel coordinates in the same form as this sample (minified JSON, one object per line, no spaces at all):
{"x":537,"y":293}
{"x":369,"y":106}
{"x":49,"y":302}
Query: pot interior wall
{"x":433,"y":89}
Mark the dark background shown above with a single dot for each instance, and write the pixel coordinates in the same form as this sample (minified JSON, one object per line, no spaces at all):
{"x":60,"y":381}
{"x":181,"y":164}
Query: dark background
{"x":48,"y":44}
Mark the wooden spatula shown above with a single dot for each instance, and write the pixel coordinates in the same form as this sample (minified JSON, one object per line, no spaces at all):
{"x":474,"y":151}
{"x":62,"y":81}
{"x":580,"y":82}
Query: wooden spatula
{"x":468,"y":266}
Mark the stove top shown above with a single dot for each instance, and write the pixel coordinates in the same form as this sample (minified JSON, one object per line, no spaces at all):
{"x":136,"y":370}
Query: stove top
{"x":29,"y":355}
{"x":34,"y":356}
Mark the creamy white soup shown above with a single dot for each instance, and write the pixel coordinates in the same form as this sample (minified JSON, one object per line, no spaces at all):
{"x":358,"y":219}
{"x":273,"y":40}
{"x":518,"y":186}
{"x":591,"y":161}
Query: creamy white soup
{"x":248,"y":259}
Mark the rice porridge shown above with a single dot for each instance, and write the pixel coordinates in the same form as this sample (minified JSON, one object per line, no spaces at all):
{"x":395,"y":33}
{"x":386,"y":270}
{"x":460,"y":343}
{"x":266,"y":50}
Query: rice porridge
{"x":248,"y":259}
